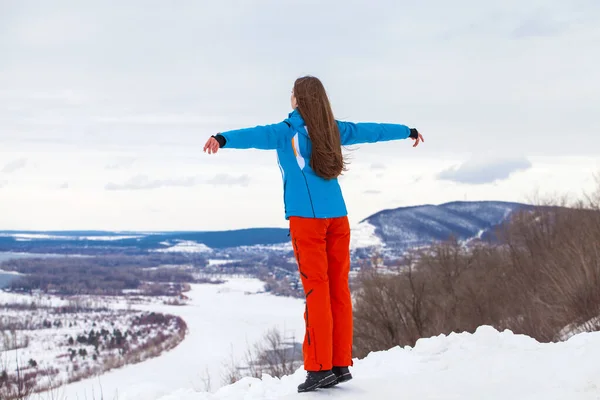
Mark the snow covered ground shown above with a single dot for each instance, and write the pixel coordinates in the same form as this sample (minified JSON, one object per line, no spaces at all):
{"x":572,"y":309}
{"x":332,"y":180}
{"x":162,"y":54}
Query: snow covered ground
{"x":186,"y":246}
{"x":3,"y":272}
{"x":39,"y":299}
{"x":51,"y":338}
{"x":486,"y":365}
{"x":212,"y":263}
{"x":223,"y":321}
{"x":363,"y":235}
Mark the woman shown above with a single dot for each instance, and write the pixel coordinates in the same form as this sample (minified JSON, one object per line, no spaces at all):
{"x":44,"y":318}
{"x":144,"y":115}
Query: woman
{"x":309,"y":151}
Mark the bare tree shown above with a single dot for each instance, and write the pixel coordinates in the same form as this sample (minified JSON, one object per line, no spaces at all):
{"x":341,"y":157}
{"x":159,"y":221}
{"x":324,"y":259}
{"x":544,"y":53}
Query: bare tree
{"x":275,"y":354}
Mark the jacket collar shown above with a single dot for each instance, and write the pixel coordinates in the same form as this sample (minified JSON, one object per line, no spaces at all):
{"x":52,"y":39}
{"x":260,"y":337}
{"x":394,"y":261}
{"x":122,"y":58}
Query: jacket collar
{"x":294,"y":113}
{"x":295,"y":119}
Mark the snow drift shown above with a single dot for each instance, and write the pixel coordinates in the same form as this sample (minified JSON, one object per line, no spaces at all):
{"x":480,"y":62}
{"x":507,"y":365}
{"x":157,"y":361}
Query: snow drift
{"x":485,"y":365}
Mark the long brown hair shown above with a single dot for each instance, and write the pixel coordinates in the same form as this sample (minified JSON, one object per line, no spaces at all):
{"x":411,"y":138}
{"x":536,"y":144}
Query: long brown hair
{"x":313,"y":105}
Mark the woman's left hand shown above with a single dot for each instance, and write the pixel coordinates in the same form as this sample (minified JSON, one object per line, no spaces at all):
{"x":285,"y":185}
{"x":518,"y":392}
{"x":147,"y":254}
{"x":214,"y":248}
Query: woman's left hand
{"x":418,"y":140}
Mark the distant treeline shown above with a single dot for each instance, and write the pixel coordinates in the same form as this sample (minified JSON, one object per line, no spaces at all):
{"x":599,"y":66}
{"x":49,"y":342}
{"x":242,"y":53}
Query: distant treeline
{"x":111,"y":274}
{"x":108,"y":275}
{"x":104,"y":260}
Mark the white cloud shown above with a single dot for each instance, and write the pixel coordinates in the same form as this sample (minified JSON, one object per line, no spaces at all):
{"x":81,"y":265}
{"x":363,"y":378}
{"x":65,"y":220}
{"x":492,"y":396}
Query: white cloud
{"x":536,"y":26}
{"x":481,"y":170}
{"x":121,"y":163}
{"x":226,"y":179}
{"x":143,"y":182}
{"x":14,"y":165}
{"x":378,"y":166}
{"x":87,"y":205}
{"x":161,"y":119}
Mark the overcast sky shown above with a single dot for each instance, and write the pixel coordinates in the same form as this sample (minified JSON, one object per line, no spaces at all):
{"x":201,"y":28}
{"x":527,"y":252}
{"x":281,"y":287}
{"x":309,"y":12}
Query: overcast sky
{"x":105,"y":105}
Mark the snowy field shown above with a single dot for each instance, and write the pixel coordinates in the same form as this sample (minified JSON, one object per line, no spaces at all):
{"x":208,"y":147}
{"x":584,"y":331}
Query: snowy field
{"x":66,"y":344}
{"x":185,"y":246}
{"x":223,"y":321}
{"x":5,"y":256}
{"x":487,"y":365}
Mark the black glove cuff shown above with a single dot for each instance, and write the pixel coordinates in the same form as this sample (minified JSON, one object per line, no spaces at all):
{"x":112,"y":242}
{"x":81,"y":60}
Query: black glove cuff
{"x":221,"y":139}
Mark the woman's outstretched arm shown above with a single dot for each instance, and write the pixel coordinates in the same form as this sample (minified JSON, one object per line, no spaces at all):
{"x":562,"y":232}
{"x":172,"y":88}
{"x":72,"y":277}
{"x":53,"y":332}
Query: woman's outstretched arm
{"x":263,"y":137}
{"x":370,"y":132}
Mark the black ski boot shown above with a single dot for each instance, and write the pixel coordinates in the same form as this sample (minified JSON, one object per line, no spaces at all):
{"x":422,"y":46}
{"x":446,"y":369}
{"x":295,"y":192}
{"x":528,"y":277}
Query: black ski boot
{"x":342,"y":374}
{"x":315,"y":380}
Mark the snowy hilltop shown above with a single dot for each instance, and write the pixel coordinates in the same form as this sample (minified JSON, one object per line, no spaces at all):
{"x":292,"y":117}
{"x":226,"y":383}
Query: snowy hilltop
{"x":485,"y":365}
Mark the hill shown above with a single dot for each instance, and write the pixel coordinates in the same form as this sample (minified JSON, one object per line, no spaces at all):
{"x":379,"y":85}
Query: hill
{"x":395,"y":230}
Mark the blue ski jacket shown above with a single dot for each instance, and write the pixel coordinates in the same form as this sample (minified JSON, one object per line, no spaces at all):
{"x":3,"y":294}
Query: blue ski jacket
{"x":306,"y":194}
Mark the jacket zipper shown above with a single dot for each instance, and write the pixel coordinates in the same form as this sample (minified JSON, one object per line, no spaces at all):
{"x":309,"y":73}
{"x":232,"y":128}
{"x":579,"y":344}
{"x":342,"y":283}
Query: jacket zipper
{"x":309,"y":195}
{"x":284,"y":203}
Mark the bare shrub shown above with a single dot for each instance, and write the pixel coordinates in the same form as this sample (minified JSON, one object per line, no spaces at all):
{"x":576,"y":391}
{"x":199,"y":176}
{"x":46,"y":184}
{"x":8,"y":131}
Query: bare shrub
{"x":541,"y":278}
{"x":381,"y":317}
{"x":206,"y":381}
{"x":18,"y":385}
{"x":555,"y":268}
{"x":275,"y":355}
{"x":10,"y":340}
{"x":174,"y":302}
{"x":446,"y":288}
{"x":232,"y":372}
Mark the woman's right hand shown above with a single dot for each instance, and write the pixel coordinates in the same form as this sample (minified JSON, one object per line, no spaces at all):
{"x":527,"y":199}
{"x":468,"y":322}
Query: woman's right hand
{"x":212,"y":145}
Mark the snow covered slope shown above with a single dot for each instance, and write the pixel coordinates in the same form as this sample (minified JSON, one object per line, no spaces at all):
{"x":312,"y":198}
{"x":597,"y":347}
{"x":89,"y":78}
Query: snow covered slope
{"x":407,"y":227}
{"x":364,"y":236}
{"x":488,"y":365}
{"x":224,"y":320}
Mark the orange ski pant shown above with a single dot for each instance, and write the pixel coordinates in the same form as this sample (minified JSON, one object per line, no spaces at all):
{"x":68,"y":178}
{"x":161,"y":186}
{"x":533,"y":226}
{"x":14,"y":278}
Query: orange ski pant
{"x":322,"y":250}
